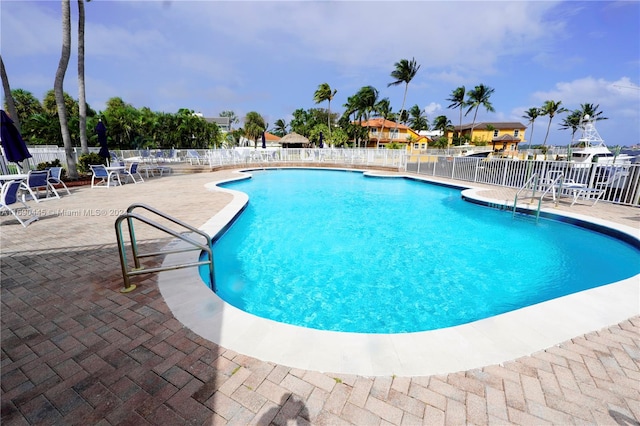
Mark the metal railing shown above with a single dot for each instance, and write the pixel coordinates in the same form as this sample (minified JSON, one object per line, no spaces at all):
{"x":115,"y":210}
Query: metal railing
{"x":128,"y":272}
{"x":512,"y":173}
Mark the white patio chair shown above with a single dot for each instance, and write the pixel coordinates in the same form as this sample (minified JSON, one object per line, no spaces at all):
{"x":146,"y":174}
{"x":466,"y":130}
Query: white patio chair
{"x":9,"y":196}
{"x":38,"y":180}
{"x":102,"y":177}
{"x":131,"y":172}
{"x":55,"y":178}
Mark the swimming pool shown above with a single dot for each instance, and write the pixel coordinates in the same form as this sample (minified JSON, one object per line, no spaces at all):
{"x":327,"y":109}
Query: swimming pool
{"x":338,"y":251}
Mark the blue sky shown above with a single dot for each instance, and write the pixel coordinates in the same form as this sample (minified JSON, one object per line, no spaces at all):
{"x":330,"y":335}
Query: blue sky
{"x":270,"y":57}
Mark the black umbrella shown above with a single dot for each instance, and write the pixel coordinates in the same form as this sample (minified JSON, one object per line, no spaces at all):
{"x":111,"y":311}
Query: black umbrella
{"x":321,"y":137}
{"x":101,"y":130}
{"x":264,"y":140}
{"x":15,"y":150}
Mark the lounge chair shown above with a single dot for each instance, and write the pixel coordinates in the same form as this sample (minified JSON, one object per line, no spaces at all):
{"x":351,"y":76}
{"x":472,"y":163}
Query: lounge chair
{"x":55,"y":178}
{"x":9,"y":196}
{"x":102,"y":177}
{"x":193,"y":157}
{"x":36,"y":181}
{"x":131,"y":172}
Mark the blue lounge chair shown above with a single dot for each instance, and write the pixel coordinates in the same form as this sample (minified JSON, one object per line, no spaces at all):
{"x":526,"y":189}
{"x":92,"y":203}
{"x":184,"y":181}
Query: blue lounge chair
{"x":102,"y":177}
{"x":9,"y":196}
{"x":55,"y":178}
{"x":38,"y":180}
{"x":131,"y":172}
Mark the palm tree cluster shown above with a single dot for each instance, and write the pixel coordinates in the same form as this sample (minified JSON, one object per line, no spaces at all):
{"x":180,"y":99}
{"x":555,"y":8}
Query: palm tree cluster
{"x":572,"y":121}
{"x":127,"y":127}
{"x":472,"y":100}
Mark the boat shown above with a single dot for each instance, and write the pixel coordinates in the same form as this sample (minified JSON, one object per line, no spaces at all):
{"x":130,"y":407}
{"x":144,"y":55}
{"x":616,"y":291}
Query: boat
{"x":590,"y":147}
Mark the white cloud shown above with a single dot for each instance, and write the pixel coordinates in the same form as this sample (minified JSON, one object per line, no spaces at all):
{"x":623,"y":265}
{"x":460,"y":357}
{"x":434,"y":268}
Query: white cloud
{"x":431,"y":109}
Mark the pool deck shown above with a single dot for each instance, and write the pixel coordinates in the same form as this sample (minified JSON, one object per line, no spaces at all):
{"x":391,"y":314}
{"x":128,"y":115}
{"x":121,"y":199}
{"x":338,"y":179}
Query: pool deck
{"x":77,"y":351}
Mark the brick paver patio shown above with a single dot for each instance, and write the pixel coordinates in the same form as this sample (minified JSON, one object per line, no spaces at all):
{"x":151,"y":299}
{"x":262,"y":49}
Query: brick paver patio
{"x":75,"y":351}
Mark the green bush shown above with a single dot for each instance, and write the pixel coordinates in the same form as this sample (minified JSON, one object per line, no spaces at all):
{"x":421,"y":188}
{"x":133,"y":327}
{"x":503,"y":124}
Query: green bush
{"x":85,"y":160}
{"x":48,"y":164}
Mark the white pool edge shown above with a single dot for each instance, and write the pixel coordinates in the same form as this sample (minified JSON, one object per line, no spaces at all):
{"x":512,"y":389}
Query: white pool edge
{"x":485,"y":342}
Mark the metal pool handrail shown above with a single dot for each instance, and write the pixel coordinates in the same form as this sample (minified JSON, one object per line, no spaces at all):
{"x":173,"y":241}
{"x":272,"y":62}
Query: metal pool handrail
{"x":138,"y":270}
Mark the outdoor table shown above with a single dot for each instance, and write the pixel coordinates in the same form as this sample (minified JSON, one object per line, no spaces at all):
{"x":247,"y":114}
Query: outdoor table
{"x":15,"y":176}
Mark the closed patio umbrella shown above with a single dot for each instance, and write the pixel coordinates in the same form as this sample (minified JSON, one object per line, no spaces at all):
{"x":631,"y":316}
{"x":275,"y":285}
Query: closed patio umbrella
{"x":321,"y":138}
{"x":101,"y":130}
{"x":264,"y":140}
{"x":15,"y":150}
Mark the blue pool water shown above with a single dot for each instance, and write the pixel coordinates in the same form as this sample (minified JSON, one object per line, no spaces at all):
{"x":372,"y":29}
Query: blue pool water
{"x":339,"y":251}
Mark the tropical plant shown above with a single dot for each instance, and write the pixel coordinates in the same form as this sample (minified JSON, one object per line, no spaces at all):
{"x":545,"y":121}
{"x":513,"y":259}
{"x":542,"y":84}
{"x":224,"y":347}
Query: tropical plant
{"x":280,"y":127}
{"x":442,"y":123}
{"x":383,"y":109}
{"x":457,"y":101}
{"x":59,"y":91}
{"x":417,"y":120}
{"x":366,"y":100}
{"x":531,"y":114}
{"x":572,"y":121}
{"x":478,"y":96}
{"x":592,"y":111}
{"x":551,"y":108}
{"x":254,"y":126}
{"x":325,"y":93}
{"x":404,"y":72}
{"x":85,"y":160}
{"x":233,"y":118}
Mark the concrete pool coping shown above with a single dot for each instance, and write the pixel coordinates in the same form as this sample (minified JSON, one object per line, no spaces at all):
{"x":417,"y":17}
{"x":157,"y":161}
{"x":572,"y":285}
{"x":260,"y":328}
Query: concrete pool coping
{"x":489,"y":341}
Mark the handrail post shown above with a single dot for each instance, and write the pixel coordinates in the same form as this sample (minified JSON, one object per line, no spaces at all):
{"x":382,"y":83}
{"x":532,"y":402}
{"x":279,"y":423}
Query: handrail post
{"x":123,"y":258}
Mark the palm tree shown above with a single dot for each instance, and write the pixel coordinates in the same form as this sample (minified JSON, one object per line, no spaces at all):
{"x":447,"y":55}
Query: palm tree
{"x":457,"y":101}
{"x":592,"y":111}
{"x":324,"y":93}
{"x":417,"y":119}
{"x":478,"y":96}
{"x":72,"y":172}
{"x":280,"y":128}
{"x":254,"y":126}
{"x":11,"y":105}
{"x":551,"y":108}
{"x":572,"y":121}
{"x":531,"y":114}
{"x":403,"y":73}
{"x":383,"y":108}
{"x":82,"y":101}
{"x":366,"y":100}
{"x":233,"y":118}
{"x":442,"y":123}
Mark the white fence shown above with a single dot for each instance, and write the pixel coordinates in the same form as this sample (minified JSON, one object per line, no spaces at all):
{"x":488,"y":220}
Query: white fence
{"x":622,"y":181}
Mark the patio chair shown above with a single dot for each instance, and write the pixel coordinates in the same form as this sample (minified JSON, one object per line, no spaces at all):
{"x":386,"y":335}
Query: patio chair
{"x":55,"y":178}
{"x":102,"y":177}
{"x":36,"y":181}
{"x":9,"y":196}
{"x":193,"y":157}
{"x":131,"y":172}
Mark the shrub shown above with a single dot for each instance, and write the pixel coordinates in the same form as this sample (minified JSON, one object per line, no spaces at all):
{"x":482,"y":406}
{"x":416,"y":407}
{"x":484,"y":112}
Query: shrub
{"x":85,"y":160}
{"x":48,"y":164}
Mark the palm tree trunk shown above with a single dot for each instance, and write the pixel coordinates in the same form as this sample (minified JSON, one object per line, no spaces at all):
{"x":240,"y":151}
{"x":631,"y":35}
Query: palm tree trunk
{"x":329,"y":117}
{"x":475,"y":115}
{"x":547,"y":135}
{"x":82,"y":101}
{"x":59,"y":90}
{"x":11,"y":105}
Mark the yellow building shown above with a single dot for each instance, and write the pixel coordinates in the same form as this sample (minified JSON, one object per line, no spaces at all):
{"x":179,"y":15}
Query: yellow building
{"x":383,"y":132}
{"x":501,"y":136}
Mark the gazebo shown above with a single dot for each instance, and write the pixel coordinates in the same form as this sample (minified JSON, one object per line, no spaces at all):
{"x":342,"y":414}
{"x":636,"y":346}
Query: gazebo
{"x":294,"y":140}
